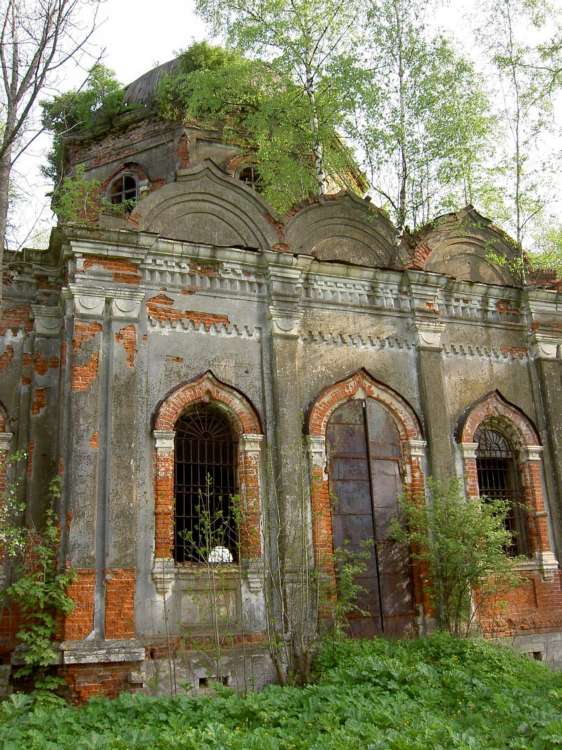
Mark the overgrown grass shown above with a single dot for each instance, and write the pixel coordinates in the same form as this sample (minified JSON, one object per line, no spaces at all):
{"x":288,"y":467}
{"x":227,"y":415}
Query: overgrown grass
{"x":431,"y":694}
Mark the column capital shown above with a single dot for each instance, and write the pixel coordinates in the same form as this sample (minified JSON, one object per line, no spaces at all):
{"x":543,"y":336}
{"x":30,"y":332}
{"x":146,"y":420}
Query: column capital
{"x":5,"y":441}
{"x":47,"y":319}
{"x":429,"y":334}
{"x":468,"y":450}
{"x":250,"y":443}
{"x":417,"y":448}
{"x":164,"y":439}
{"x":531,"y":452}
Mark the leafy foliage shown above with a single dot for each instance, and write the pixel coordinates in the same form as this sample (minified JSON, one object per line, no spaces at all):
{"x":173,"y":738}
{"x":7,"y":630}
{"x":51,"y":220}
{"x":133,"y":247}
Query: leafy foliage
{"x":90,"y":109}
{"x":463,"y":542}
{"x":424,"y":122}
{"x":260,"y":110}
{"x":437,"y":692}
{"x":39,"y":590}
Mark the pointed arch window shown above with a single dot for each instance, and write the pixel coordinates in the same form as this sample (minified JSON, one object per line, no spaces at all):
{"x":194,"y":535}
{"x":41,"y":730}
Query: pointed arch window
{"x":205,"y":483}
{"x":498,"y":479}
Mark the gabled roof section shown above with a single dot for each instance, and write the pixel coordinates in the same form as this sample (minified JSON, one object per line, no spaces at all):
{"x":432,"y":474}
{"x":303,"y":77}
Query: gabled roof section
{"x":461,"y":245}
{"x":343,"y":228}
{"x":205,"y":205}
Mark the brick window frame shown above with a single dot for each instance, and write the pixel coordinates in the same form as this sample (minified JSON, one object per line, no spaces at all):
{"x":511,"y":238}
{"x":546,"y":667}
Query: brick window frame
{"x":494,"y":412}
{"x":361,"y":385}
{"x":246,"y":425}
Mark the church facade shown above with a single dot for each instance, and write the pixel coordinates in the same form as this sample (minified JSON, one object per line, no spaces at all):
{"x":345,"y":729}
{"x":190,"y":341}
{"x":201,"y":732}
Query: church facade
{"x":201,"y":348}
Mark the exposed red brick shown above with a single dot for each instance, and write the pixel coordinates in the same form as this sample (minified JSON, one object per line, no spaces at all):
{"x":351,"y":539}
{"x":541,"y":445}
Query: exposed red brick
{"x":120,"y":603}
{"x":127,"y":336}
{"x":94,"y":440}
{"x":204,"y":269}
{"x":87,"y":681}
{"x":39,"y":401}
{"x":421,"y":253}
{"x":15,"y":318}
{"x":84,"y":331}
{"x":506,"y":306}
{"x":83,"y":376}
{"x":80,"y":622}
{"x":182,"y":151}
{"x":520,"y":352}
{"x":171,"y":358}
{"x":30,"y":449}
{"x":161,"y":307}
{"x":6,"y":357}
{"x":123,"y":271}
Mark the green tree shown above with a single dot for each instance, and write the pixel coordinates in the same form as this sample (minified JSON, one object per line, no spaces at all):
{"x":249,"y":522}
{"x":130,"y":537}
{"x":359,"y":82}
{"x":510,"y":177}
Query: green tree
{"x":36,"y":41}
{"x":90,"y":108}
{"x":310,"y":43}
{"x":527,"y":76}
{"x":463,"y":543}
{"x":260,"y":110}
{"x":423,"y":121}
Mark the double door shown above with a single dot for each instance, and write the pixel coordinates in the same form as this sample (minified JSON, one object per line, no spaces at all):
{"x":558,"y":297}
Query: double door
{"x":365,"y":485}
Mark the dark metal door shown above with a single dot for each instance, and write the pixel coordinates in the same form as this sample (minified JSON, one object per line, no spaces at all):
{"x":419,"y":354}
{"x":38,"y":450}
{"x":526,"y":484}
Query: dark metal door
{"x":364,"y":455}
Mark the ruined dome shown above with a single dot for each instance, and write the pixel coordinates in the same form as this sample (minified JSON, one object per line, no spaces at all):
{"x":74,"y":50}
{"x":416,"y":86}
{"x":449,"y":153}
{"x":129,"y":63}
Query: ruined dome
{"x":143,"y":89}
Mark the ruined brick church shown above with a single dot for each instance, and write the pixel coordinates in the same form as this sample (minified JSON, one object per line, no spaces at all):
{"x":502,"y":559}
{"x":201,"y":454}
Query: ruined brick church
{"x":202,"y":340}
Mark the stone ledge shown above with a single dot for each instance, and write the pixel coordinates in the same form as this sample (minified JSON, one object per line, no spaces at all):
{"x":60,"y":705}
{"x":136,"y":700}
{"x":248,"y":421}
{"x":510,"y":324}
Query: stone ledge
{"x":95,"y":652}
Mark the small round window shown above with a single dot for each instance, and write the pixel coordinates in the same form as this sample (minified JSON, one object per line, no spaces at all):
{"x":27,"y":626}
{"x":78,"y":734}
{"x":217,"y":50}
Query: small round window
{"x":251,"y":176}
{"x":124,"y":189}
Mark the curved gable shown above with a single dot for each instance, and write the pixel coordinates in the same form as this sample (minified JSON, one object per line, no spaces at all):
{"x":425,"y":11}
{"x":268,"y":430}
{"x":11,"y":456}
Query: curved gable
{"x":207,"y":206}
{"x":343,"y":228}
{"x":460,"y":245}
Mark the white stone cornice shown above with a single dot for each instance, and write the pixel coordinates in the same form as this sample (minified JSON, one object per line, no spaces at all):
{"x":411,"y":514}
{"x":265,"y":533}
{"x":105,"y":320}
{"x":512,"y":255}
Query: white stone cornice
{"x":164,"y":440}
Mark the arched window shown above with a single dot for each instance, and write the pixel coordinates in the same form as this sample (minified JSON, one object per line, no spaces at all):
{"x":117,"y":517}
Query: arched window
{"x":124,"y":190}
{"x":251,"y":176}
{"x":498,"y":479}
{"x":205,"y":528}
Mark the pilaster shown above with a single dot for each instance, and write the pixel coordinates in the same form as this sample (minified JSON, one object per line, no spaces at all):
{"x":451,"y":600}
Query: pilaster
{"x":544,"y":311}
{"x":425,"y":290}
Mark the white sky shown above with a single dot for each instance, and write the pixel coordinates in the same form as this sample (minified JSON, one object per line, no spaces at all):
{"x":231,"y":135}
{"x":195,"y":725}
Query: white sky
{"x":137,"y":35}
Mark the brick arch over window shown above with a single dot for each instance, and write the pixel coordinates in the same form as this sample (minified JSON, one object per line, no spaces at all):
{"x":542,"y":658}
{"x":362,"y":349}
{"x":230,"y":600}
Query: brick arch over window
{"x":360,"y":385}
{"x":494,"y":412}
{"x":245,"y":423}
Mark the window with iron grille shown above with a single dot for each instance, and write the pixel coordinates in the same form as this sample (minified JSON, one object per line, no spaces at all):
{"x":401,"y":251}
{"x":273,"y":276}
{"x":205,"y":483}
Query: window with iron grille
{"x":205,"y":487}
{"x":124,"y":189}
{"x":498,"y":479}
